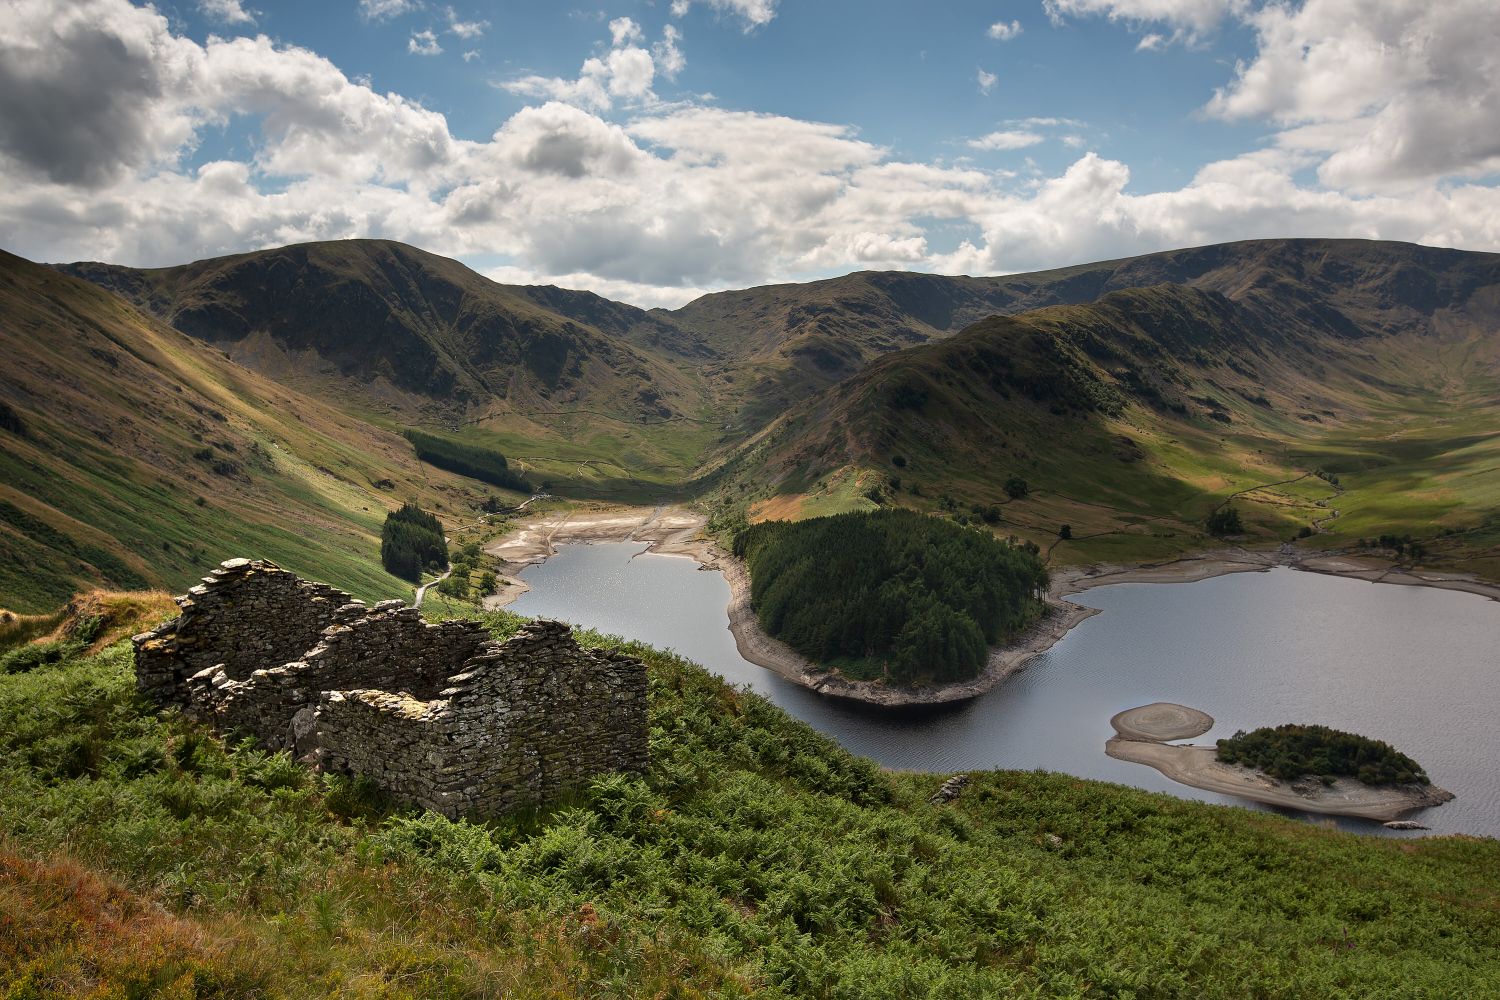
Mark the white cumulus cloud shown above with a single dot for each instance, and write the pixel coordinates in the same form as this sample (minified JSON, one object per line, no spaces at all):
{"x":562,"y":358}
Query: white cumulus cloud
{"x":103,"y":106}
{"x":755,"y":13}
{"x":667,"y":53}
{"x":384,"y":10}
{"x":424,"y":43}
{"x":986,"y":81}
{"x":461,"y":28}
{"x":226,"y":11}
{"x":623,"y":31}
{"x":1392,"y":93}
{"x":1007,"y":139}
{"x":625,"y":73}
{"x":1002,"y":31}
{"x":1189,"y":15}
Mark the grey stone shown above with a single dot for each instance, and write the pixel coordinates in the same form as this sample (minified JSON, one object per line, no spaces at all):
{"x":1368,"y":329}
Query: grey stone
{"x":303,"y":666}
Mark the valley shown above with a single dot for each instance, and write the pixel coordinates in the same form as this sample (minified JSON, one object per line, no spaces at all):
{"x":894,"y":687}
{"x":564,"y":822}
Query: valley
{"x":734,"y":499}
{"x":1133,"y":397}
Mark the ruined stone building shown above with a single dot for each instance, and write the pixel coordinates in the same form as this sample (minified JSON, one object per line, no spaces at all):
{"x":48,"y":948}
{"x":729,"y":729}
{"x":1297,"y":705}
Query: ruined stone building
{"x":440,"y":715}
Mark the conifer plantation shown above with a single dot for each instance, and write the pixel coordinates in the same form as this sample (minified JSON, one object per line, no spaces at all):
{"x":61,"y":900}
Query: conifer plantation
{"x":890,"y":593}
{"x":411,"y":541}
{"x":483,"y":464}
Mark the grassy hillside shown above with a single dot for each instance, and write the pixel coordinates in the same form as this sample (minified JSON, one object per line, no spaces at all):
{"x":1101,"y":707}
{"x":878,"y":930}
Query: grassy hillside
{"x":1134,"y":396}
{"x":133,"y":455}
{"x":399,"y":336}
{"x":1133,"y":417}
{"x":143,"y":857}
{"x":788,"y":340}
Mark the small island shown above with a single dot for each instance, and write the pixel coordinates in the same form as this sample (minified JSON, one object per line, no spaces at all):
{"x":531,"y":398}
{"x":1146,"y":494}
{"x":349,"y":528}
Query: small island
{"x":1312,"y":768}
{"x":891,"y":595}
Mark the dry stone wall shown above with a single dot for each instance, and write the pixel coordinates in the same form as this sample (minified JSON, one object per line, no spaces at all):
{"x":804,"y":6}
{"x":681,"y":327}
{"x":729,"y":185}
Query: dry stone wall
{"x":243,"y":616}
{"x":390,"y":649}
{"x":524,"y":720}
{"x":439,"y":715}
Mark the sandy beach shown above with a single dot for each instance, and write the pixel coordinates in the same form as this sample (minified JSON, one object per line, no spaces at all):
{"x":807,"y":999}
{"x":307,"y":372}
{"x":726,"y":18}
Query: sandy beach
{"x":1141,"y":735}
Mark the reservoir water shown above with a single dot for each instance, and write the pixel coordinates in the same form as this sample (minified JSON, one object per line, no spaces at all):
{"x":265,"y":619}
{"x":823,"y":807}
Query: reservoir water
{"x":1414,"y":666}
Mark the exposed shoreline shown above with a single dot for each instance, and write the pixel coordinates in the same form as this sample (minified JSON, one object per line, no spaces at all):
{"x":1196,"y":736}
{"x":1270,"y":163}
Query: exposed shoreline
{"x":678,"y":531}
{"x":1141,"y":735}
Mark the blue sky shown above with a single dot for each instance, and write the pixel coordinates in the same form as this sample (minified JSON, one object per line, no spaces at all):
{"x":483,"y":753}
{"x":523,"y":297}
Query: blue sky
{"x":655,"y":150}
{"x":905,"y":74}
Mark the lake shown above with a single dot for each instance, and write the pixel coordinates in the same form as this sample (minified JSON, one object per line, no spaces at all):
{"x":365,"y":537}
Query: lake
{"x":1414,"y":666}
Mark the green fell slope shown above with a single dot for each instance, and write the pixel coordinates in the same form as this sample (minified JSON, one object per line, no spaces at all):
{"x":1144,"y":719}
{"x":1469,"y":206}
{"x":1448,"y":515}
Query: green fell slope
{"x":1133,"y":417}
{"x":1134,"y":396}
{"x":786,"y":342}
{"x":142,"y":856}
{"x":132,"y":456}
{"x":598,"y":395}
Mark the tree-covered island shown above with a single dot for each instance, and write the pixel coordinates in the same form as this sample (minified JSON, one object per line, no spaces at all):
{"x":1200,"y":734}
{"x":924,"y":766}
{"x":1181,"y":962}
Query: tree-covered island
{"x":890,"y":593}
{"x":1290,"y":752}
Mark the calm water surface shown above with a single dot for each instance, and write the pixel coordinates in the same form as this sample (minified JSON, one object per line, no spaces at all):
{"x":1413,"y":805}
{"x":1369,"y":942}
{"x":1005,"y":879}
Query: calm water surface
{"x":1417,"y":667}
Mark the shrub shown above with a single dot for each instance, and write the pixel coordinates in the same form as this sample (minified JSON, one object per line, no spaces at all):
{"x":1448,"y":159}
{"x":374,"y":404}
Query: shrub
{"x":1292,"y":751}
{"x":455,"y":586}
{"x":1224,"y":521}
{"x":33,"y":655}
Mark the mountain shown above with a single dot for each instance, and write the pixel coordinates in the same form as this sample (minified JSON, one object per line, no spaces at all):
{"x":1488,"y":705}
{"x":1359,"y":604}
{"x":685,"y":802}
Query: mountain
{"x":806,"y":336}
{"x":1134,"y":415}
{"x":1134,"y":396}
{"x":133,"y":455}
{"x":407,"y":337}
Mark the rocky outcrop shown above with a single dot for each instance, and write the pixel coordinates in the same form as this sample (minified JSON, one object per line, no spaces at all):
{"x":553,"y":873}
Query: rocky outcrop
{"x":439,"y":715}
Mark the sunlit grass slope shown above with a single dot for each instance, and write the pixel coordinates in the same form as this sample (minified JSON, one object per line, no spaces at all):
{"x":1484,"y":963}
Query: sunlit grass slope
{"x":1134,"y":417}
{"x":755,"y":858}
{"x":597,"y":397}
{"x":134,"y":455}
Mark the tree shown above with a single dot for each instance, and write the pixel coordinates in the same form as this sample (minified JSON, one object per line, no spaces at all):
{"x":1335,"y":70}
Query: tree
{"x":890,"y":591}
{"x":410,"y":541}
{"x":1016,"y":487}
{"x":1066,"y":531}
{"x":455,"y":586}
{"x":1291,"y":752}
{"x":1225,"y":521}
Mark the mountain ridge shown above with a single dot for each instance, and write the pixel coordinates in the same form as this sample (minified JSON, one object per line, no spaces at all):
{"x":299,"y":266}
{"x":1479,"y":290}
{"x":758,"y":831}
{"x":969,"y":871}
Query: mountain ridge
{"x":1228,"y":365}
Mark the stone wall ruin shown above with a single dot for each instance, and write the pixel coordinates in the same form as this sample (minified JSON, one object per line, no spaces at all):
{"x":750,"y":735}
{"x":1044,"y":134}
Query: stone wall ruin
{"x":440,"y":715}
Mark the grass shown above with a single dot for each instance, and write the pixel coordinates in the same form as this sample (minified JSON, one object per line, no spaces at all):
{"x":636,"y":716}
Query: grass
{"x":138,"y":464}
{"x":143,"y":857}
{"x":1133,"y":417}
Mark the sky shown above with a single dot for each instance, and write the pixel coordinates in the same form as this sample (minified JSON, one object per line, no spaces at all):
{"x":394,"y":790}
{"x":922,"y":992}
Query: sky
{"x":654,"y":150}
